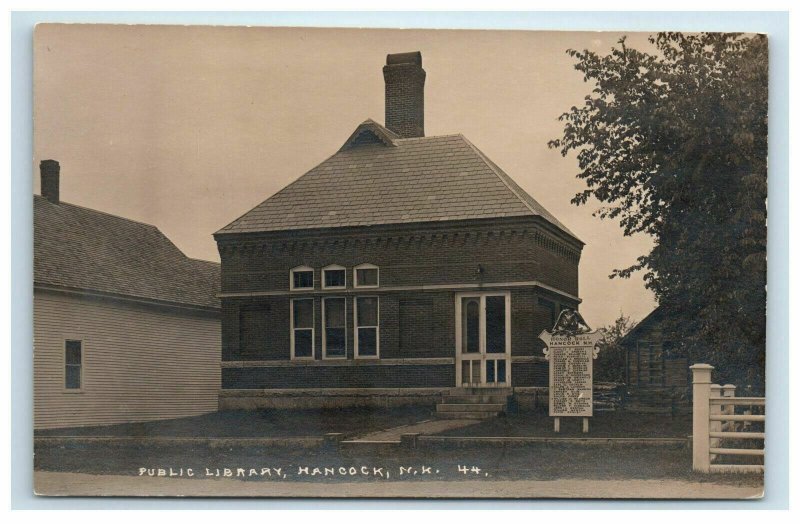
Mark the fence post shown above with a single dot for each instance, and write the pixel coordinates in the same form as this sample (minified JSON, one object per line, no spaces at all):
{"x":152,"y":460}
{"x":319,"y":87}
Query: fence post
{"x":715,"y":391}
{"x":728,"y":391}
{"x":701,"y":392}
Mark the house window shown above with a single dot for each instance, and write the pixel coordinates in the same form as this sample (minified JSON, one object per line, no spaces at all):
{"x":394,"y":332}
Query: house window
{"x":303,"y":328}
{"x":333,"y":277}
{"x":334,"y":318}
{"x":367,"y":331}
{"x":302,"y":278}
{"x":366,"y":275}
{"x":73,"y":364}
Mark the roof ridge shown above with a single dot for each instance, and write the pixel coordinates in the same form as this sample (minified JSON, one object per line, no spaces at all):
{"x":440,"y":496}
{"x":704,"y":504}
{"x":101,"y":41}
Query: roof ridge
{"x":502,"y":179}
{"x":203,"y":261}
{"x":510,"y":183}
{"x":126,"y":219}
{"x":284,"y":188}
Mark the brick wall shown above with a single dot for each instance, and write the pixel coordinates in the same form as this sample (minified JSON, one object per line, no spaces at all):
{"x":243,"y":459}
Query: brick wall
{"x":530,"y":374}
{"x":361,"y":376}
{"x":413,"y":323}
{"x":515,"y":250}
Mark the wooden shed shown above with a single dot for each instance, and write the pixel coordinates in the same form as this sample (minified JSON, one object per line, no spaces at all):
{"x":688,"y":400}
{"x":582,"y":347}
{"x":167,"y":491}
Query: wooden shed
{"x":651,"y":359}
{"x":656,"y":373}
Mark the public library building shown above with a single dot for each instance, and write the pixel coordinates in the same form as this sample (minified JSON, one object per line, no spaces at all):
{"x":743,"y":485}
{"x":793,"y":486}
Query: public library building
{"x":401,"y":267}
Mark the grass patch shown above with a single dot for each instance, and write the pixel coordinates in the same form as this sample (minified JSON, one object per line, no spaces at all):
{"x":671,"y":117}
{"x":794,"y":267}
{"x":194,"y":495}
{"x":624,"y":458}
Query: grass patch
{"x":617,"y":424}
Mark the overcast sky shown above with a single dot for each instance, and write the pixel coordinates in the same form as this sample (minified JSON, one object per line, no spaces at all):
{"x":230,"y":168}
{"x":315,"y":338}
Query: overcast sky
{"x":188,"y":128}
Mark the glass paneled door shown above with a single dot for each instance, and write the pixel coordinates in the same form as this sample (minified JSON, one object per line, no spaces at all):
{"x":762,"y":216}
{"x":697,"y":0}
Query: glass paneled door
{"x":483,"y":339}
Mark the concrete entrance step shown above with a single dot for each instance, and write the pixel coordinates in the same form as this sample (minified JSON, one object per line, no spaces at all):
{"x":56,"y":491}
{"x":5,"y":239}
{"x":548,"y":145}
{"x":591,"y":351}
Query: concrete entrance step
{"x":475,"y":399}
{"x":488,"y":390}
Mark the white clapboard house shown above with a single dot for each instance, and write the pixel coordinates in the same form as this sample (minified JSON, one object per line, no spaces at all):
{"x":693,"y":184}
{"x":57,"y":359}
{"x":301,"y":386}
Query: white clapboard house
{"x":126,"y":327}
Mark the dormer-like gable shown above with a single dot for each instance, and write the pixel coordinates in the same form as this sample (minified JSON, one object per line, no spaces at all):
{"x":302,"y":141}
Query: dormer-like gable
{"x":368,"y":133}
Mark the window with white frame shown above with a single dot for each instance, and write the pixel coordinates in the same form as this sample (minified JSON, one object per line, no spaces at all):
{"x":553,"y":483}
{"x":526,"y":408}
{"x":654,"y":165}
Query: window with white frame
{"x":303,"y":328}
{"x":365,"y":275}
{"x":367,"y":333}
{"x":333,"y":277}
{"x":73,"y":364}
{"x":334,"y":319}
{"x":301,"y":278}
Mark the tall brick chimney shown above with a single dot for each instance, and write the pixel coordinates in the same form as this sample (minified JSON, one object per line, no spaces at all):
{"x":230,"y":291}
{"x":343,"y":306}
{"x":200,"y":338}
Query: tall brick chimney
{"x":49,"y":170}
{"x":405,"y":94}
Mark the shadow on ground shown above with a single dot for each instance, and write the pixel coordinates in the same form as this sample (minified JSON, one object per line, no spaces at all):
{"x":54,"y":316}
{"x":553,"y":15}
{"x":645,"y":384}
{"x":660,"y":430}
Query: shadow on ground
{"x":260,"y":423}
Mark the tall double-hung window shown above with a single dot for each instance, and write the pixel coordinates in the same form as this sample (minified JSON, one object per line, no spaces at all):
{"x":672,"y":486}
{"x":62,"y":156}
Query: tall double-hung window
{"x":73,"y":365}
{"x":302,"y":328}
{"x":334,"y":335}
{"x":367,"y":330}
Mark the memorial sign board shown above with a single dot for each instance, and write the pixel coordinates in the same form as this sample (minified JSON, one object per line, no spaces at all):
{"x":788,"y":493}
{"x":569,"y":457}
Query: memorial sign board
{"x":570,"y":382}
{"x":571,"y":348}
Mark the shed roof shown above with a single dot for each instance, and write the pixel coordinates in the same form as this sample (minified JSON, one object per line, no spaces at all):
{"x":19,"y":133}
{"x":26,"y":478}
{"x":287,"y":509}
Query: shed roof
{"x":648,"y":322}
{"x":88,"y":250}
{"x":378,"y":178}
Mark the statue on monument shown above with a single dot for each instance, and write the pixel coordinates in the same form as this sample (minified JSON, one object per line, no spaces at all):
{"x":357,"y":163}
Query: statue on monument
{"x":570,"y":322}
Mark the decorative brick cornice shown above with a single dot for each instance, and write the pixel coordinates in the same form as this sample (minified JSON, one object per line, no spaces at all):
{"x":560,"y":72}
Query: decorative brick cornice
{"x":403,"y":240}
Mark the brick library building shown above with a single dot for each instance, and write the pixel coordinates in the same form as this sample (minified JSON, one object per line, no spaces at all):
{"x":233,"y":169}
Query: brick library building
{"x":400,"y":270}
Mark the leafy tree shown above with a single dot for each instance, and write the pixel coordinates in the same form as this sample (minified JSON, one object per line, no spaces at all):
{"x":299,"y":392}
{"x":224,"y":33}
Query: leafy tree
{"x":673,"y":143}
{"x":610,"y":365}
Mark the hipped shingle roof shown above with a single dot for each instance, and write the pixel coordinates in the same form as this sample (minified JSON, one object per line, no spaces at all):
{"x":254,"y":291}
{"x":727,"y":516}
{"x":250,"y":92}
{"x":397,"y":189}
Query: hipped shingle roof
{"x":377,"y":178}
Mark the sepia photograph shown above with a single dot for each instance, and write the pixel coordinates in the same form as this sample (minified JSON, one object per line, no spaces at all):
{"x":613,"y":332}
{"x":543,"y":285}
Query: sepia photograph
{"x":399,"y":263}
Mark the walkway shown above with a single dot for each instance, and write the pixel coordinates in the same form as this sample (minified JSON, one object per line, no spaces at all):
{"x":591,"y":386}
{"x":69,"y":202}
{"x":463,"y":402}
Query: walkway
{"x":426,"y":427}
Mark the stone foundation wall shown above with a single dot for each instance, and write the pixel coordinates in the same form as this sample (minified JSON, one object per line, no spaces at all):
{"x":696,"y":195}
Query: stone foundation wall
{"x":340,"y":398}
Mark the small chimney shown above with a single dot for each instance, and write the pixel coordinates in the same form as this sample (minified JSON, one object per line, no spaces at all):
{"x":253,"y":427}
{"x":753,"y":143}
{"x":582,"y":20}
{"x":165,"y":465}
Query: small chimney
{"x":49,"y":170}
{"x":405,"y":94}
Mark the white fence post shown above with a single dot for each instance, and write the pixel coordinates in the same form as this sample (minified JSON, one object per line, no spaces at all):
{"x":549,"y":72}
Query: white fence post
{"x":701,"y":392}
{"x":715,"y":391}
{"x":728,"y":391}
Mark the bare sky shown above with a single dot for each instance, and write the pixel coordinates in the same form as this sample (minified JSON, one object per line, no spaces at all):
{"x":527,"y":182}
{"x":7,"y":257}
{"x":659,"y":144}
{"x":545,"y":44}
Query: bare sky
{"x":188,"y":128}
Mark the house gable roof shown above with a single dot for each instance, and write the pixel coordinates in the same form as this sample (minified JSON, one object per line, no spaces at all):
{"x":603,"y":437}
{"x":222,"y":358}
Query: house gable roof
{"x":82,"y":249}
{"x":377,"y":178}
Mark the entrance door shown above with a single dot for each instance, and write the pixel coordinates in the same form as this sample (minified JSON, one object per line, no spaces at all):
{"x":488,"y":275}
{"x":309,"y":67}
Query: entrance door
{"x":483,"y":339}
